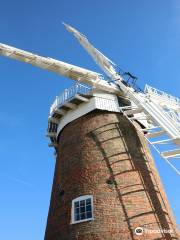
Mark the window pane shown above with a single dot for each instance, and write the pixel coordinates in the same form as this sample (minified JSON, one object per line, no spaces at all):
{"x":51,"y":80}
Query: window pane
{"x":82,"y":209}
{"x":83,"y":216}
{"x":88,"y":208}
{"x":88,"y":201}
{"x":77,"y":218}
{"x":76,"y":204}
{"x":89,"y":214}
{"x":76,"y":210}
{"x":82,"y":203}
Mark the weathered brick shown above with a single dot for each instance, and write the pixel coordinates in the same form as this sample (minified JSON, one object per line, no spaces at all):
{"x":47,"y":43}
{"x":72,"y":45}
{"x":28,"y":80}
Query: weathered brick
{"x":93,"y":149}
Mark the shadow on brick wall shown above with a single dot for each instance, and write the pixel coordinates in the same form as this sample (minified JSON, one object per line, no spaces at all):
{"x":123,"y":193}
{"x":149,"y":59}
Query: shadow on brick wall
{"x":139,"y":164}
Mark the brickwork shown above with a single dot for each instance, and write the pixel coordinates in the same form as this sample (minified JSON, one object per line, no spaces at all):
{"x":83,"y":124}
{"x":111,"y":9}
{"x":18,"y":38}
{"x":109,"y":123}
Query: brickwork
{"x":101,"y":154}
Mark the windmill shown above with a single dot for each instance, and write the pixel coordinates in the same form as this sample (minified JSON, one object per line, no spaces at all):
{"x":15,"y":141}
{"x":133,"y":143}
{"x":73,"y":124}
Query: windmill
{"x":154,"y":114}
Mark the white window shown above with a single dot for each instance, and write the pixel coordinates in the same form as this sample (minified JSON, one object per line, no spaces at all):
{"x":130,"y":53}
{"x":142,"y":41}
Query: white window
{"x":82,"y":209}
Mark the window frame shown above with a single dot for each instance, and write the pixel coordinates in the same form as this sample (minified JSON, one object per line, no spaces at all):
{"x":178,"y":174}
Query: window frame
{"x":78,"y":199}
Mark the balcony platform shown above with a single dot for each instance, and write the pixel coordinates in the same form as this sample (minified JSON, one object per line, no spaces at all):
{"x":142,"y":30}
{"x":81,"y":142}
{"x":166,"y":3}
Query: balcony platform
{"x":75,"y":102}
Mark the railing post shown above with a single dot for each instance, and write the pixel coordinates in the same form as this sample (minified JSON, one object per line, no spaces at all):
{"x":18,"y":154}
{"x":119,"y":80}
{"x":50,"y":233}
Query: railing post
{"x":56,"y":100}
{"x":65,"y":94}
{"x":76,"y":88}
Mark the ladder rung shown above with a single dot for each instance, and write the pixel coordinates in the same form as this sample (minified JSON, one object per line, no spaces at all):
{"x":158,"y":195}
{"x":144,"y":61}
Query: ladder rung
{"x":132,"y":111}
{"x":150,"y":128}
{"x":139,"y":118}
{"x":155,"y":134}
{"x":171,"y":153}
{"x":126,"y":108}
{"x":162,"y":141}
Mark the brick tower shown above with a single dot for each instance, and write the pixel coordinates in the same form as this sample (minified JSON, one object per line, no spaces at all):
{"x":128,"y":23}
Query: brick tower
{"x":106,"y":186}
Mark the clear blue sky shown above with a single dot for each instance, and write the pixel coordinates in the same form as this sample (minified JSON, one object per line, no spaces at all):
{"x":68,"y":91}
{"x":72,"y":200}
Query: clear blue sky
{"x":143,"y":37}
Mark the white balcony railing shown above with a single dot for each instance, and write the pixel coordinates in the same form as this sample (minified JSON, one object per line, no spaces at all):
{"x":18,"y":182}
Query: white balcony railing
{"x":69,"y":94}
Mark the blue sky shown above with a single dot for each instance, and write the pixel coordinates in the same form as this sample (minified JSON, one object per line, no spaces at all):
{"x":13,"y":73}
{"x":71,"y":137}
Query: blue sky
{"x":143,"y":37}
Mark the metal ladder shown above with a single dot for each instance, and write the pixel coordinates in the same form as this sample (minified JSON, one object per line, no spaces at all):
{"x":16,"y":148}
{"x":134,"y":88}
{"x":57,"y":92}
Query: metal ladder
{"x":153,"y":131}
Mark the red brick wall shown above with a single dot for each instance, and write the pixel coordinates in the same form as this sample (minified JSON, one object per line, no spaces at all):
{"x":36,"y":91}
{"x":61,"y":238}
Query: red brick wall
{"x":93,"y":149}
